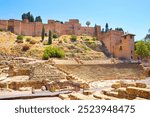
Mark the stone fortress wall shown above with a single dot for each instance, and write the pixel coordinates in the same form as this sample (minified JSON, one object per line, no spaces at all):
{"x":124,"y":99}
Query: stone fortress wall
{"x":118,"y":43}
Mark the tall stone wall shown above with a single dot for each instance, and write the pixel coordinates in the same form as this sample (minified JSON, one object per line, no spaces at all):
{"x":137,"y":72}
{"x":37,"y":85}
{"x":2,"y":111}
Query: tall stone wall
{"x":4,"y":24}
{"x":35,"y":28}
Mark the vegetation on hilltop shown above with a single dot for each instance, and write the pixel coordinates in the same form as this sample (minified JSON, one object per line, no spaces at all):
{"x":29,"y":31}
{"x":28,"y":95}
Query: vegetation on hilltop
{"x":30,"y":17}
{"x":70,"y":46}
{"x":53,"y":51}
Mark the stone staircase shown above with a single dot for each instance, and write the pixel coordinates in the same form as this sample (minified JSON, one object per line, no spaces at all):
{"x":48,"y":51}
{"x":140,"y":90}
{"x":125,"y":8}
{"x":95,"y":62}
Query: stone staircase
{"x":105,"y":50}
{"x":104,"y":71}
{"x":46,"y":71}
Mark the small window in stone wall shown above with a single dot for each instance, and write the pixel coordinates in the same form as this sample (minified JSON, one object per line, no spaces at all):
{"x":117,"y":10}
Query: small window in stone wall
{"x":125,"y":37}
{"x":120,"y":48}
{"x":131,"y":57}
{"x":131,"y":51}
{"x":131,"y":36}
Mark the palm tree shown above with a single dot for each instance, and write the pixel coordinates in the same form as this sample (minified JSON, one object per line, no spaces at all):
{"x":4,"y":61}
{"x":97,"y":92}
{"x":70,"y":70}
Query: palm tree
{"x":88,"y":23}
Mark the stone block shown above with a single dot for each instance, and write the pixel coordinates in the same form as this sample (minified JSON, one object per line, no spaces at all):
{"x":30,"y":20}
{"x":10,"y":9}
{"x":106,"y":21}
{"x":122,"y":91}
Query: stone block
{"x":122,"y":93}
{"x":88,"y":92}
{"x":25,"y":88}
{"x":116,"y":85}
{"x":141,"y":85}
{"x":127,"y":84}
{"x":64,"y":96}
{"x":112,"y":93}
{"x":78,"y":96}
{"x":139,"y":92}
{"x":103,"y":97}
{"x":17,"y":85}
{"x":3,"y":85}
{"x":104,"y":91}
{"x":53,"y":87}
{"x":70,"y":77}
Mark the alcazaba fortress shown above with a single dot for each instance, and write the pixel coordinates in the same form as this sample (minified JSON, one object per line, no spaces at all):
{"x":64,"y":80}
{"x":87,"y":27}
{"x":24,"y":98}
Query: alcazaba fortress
{"x":118,"y":43}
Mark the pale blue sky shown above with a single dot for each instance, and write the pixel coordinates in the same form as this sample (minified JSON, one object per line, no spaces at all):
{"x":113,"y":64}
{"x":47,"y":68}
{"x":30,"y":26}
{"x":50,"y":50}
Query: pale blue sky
{"x":132,"y":15}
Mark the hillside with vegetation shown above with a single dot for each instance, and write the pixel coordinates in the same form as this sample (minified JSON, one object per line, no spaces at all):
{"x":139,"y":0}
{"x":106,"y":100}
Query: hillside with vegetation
{"x":64,"y":47}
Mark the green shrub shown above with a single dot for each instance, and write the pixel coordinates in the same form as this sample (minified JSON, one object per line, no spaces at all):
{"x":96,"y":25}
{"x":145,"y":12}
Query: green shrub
{"x":65,"y":40}
{"x":94,"y":39}
{"x":73,"y":38}
{"x":93,"y":45}
{"x":25,"y":47}
{"x":87,"y":39}
{"x":45,"y":56}
{"x":32,"y":41}
{"x":1,"y":30}
{"x":55,"y":35}
{"x":53,"y":51}
{"x":85,"y":47}
{"x":90,"y":42}
{"x":45,"y":43}
{"x":19,"y":39}
{"x":28,"y":39}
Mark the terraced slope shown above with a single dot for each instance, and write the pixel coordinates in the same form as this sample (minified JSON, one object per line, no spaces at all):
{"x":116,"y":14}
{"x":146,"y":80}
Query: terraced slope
{"x":105,"y":71}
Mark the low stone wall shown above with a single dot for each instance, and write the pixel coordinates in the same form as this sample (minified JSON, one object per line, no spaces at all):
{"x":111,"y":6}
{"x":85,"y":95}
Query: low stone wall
{"x":69,"y":85}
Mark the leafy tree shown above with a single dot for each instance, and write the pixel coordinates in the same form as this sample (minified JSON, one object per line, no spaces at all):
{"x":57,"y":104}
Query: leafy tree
{"x":43,"y":34}
{"x":59,"y":21}
{"x":119,"y":29}
{"x":142,"y":49}
{"x":28,"y":16}
{"x":24,"y":16}
{"x":38,"y":19}
{"x":88,"y":23}
{"x":50,"y":38}
{"x":147,"y":37}
{"x":31,"y":18}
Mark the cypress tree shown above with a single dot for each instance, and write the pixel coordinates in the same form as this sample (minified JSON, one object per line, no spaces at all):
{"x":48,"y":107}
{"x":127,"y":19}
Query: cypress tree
{"x":106,"y":27}
{"x":50,"y":38}
{"x":43,"y":34}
